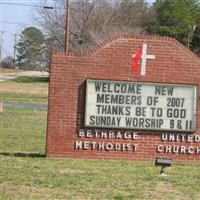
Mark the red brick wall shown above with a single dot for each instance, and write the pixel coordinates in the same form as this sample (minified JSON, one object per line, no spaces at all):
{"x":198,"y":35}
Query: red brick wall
{"x":112,"y":61}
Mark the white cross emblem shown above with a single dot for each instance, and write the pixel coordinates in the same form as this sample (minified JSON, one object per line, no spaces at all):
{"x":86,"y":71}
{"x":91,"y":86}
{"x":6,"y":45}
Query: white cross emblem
{"x":145,"y":56}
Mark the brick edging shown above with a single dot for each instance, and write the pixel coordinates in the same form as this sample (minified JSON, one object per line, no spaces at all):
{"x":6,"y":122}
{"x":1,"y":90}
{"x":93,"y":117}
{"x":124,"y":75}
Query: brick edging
{"x":127,"y":37}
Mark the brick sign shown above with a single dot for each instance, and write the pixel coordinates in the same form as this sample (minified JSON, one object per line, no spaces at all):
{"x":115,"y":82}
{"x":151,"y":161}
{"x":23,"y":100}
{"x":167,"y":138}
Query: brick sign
{"x":132,"y":97}
{"x":144,"y":106}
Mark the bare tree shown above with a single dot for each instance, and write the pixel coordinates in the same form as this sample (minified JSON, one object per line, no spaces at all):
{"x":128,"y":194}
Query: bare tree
{"x":92,"y":21}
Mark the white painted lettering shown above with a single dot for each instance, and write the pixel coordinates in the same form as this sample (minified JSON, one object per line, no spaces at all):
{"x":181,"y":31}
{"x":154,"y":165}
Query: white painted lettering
{"x":198,"y":150}
{"x":81,"y":133}
{"x":86,"y":145}
{"x":190,"y":150}
{"x":78,"y":145}
{"x":160,"y":148}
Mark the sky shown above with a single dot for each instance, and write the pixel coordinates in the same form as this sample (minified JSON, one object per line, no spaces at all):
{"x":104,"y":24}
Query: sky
{"x":13,"y":20}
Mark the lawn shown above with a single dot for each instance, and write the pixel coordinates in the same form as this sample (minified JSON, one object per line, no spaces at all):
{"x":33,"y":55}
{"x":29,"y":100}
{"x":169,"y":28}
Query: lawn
{"x":22,"y":97}
{"x":25,"y":90}
{"x":7,"y":70}
{"x":27,"y":175}
{"x":40,"y":178}
{"x":20,"y":128}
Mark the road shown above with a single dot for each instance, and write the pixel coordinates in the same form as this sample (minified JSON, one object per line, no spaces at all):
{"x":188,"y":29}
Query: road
{"x":8,"y":76}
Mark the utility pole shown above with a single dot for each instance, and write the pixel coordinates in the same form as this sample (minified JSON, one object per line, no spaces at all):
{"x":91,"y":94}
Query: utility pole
{"x":1,"y":46}
{"x":67,"y":28}
{"x":14,"y":50}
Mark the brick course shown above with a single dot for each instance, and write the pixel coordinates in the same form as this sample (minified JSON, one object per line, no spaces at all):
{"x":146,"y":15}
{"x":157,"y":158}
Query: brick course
{"x":111,"y":60}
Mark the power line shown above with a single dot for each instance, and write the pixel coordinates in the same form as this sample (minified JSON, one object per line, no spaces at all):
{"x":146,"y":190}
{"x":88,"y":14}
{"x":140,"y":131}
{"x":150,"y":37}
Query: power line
{"x":67,"y":27}
{"x":14,"y":49}
{"x":18,"y":23}
{"x":21,"y":4}
{"x":51,"y":7}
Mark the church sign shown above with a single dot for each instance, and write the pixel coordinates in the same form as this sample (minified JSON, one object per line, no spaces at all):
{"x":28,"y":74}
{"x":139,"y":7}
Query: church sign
{"x":133,"y":98}
{"x":137,"y":105}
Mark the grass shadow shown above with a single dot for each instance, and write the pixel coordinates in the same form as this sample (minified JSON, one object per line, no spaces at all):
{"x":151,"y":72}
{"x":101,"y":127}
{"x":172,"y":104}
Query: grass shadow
{"x":31,"y":79}
{"x":20,"y":154}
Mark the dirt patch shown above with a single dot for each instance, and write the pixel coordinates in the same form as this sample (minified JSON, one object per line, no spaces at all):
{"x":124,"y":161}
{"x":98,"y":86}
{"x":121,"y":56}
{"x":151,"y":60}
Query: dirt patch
{"x":30,"y":192}
{"x":165,"y":191}
{"x":197,"y":196}
{"x":69,"y":171}
{"x":33,"y":73}
{"x":7,"y":186}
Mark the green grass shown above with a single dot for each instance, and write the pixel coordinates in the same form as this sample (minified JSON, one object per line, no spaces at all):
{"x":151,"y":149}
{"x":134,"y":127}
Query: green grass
{"x":40,"y":178}
{"x":7,"y":70}
{"x":30,"y":79}
{"x":22,"y":97}
{"x":23,"y":130}
{"x":26,"y":174}
{"x":25,"y":90}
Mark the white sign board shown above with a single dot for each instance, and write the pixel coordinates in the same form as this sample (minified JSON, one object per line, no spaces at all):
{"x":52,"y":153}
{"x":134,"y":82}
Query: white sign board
{"x":137,"y":105}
